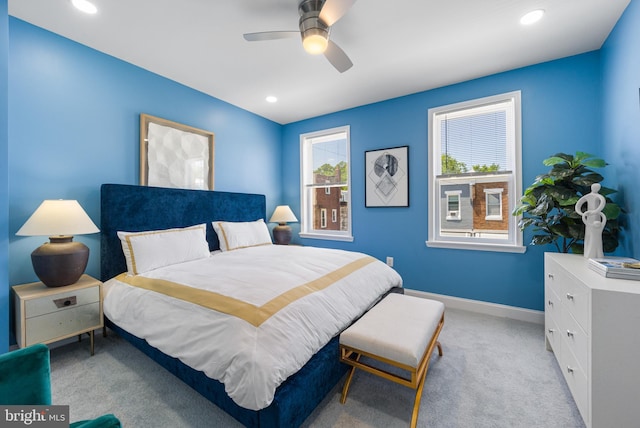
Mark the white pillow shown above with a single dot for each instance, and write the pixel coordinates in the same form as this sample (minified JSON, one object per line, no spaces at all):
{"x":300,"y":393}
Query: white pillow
{"x":235,"y":235}
{"x":149,"y":250}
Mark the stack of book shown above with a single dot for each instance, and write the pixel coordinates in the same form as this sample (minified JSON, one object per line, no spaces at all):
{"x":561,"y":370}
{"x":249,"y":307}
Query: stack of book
{"x":616,"y":267}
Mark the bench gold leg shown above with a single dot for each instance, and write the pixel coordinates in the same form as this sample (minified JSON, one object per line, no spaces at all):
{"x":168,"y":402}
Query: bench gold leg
{"x":439,"y":348}
{"x":345,"y":388}
{"x":416,"y":404}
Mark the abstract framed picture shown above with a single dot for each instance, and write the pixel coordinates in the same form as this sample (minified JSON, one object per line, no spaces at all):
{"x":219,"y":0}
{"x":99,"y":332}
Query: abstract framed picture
{"x":387,"y":177}
{"x":175,"y":155}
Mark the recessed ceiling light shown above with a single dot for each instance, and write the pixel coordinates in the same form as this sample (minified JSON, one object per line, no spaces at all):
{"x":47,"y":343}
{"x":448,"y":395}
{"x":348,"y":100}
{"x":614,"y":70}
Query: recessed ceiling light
{"x":532,"y":17}
{"x":271,"y":99}
{"x":85,"y":6}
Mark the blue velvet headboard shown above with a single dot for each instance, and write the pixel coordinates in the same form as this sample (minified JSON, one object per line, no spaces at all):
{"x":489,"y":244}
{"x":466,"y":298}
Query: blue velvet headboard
{"x":137,"y":208}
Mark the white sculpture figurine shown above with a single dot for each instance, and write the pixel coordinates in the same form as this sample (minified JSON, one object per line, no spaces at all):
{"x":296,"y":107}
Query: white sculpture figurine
{"x":594,"y":221}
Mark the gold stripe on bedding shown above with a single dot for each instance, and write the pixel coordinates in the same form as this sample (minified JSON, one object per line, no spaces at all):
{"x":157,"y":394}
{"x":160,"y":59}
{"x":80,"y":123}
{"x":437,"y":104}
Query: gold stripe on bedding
{"x":252,"y":314}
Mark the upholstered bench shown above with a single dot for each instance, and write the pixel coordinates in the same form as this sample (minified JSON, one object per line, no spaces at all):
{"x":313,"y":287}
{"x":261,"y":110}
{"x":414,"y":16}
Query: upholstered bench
{"x":400,"y":331}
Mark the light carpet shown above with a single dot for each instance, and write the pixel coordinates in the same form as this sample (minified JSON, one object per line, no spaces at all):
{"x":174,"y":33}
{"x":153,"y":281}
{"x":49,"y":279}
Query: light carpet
{"x":495,"y":372}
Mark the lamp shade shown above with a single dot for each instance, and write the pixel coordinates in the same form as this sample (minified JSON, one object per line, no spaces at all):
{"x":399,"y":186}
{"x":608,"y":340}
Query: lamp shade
{"x":282,"y":215}
{"x":58,"y":217}
{"x":61,"y":261}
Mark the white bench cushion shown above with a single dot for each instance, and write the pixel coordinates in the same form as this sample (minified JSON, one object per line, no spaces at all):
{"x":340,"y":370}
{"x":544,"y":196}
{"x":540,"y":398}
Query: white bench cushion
{"x":398,"y":328}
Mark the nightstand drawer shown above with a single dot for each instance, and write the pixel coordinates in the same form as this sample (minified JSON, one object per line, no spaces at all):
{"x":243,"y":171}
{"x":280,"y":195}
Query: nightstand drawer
{"x":61,"y":302}
{"x":48,"y":314}
{"x":62,"y":323}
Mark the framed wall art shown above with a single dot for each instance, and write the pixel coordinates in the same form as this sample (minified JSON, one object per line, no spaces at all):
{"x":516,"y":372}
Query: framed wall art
{"x":387,"y":177}
{"x":175,"y":155}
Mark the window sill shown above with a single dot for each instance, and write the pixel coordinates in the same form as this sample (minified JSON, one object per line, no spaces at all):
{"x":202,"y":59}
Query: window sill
{"x":477,"y":247}
{"x":327,"y":237}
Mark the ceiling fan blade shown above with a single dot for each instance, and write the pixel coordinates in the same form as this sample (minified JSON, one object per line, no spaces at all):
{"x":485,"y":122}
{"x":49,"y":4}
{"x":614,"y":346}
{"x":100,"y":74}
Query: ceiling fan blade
{"x":337,"y":57}
{"x":334,"y":10}
{"x":270,"y":35}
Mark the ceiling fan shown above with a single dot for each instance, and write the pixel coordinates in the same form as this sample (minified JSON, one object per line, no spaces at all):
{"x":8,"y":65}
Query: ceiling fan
{"x":316,"y":19}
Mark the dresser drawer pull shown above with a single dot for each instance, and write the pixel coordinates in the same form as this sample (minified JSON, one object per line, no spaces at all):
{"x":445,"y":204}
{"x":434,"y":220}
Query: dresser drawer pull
{"x":570,"y":369}
{"x":552,"y":330}
{"x":65,"y":301}
{"x":550,"y":275}
{"x":570,"y":333}
{"x":569,"y":296}
{"x":550,"y":303}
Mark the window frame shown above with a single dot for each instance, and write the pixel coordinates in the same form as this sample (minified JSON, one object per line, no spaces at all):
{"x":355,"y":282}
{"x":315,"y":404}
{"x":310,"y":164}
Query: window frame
{"x":306,"y":162}
{"x":514,"y":150}
{"x":487,"y":194}
{"x":458,"y":195}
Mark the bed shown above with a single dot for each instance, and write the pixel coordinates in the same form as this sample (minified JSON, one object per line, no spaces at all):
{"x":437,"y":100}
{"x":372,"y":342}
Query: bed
{"x":139,"y":208}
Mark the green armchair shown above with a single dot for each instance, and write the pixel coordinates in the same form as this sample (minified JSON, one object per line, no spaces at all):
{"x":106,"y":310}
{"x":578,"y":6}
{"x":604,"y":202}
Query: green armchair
{"x":25,"y":379}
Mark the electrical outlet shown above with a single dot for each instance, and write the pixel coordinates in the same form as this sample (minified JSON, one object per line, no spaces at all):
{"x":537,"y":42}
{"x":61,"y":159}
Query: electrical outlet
{"x":390,"y":261}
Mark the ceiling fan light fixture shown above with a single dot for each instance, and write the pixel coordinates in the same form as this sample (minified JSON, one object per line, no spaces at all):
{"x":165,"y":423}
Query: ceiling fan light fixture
{"x":315,"y":44}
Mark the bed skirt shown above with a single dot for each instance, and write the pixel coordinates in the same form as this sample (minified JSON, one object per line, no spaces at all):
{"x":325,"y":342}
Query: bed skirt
{"x":294,"y":400}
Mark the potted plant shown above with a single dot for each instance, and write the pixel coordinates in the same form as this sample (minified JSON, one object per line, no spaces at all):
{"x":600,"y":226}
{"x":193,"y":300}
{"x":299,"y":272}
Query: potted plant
{"x":548,"y":205}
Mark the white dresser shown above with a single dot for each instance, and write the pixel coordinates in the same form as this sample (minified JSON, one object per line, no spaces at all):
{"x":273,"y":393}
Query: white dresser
{"x":592,"y":325}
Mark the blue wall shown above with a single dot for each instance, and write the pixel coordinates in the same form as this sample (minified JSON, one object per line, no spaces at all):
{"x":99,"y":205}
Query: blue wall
{"x":74,"y":124}
{"x":4,"y":177}
{"x":621,"y":100}
{"x":561,"y":111}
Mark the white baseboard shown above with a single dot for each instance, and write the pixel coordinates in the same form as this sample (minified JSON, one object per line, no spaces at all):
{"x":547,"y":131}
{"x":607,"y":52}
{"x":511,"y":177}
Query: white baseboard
{"x":495,"y":309}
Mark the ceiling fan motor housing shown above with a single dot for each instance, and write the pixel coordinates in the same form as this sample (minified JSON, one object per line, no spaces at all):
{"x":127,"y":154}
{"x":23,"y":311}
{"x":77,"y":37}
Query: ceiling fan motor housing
{"x":310,"y":23}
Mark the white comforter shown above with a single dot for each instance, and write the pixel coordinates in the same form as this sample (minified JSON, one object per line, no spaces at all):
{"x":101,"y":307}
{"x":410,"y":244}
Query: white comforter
{"x":253,"y":356}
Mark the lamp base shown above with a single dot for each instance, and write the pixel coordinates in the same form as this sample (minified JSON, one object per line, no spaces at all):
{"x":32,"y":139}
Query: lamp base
{"x":282,"y":234}
{"x":60,"y":262}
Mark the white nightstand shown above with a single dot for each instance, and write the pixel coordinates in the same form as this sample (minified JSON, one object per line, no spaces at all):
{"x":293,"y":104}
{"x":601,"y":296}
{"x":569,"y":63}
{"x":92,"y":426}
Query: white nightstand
{"x":48,"y":314}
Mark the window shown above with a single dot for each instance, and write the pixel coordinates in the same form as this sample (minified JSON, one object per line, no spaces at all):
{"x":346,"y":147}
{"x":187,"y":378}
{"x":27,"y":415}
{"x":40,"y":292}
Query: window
{"x":325,"y":180}
{"x":453,"y":205}
{"x":493,"y":204}
{"x":475,"y":179}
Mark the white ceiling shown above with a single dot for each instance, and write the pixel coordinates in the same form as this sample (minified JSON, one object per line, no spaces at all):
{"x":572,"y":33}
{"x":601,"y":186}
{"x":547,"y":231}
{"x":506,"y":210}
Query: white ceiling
{"x":398,"y":47}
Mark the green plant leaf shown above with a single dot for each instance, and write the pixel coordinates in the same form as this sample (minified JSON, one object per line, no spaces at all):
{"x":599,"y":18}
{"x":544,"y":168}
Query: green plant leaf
{"x":609,"y":242}
{"x":561,"y":230}
{"x":560,"y":193}
{"x":554,"y":160}
{"x":520,"y":209}
{"x":542,"y":239}
{"x":526,"y":222}
{"x":561,"y":173}
{"x":611,"y":211}
{"x":577,"y":248}
{"x":588,"y":180}
{"x":594,"y":163}
{"x":576,"y":230}
{"x":580,"y":157}
{"x":569,"y":202}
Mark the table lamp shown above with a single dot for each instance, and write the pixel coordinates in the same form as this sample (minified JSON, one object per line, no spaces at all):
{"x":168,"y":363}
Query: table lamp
{"x":60,"y":261}
{"x":282,"y":233}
